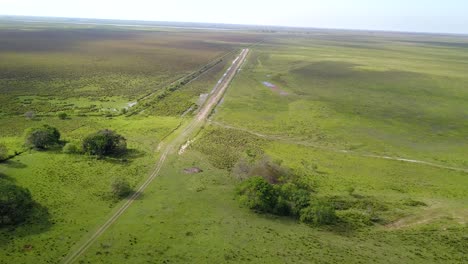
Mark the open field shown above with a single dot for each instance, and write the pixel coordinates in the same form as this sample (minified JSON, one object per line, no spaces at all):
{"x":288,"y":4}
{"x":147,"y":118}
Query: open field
{"x":320,"y":103}
{"x":385,"y":96}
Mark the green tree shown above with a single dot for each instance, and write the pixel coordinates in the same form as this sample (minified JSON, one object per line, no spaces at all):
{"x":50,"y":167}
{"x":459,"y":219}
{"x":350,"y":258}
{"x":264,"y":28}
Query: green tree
{"x":15,"y":204}
{"x":256,"y":193}
{"x":104,"y":142}
{"x":42,"y":137}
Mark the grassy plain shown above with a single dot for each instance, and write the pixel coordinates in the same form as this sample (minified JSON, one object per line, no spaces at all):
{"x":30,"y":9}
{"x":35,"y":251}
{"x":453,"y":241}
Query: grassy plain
{"x":339,"y":98}
{"x":91,"y":73}
{"x":382,"y":94}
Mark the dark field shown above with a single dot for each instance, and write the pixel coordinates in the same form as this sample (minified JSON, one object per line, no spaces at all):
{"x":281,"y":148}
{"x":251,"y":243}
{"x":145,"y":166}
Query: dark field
{"x":94,"y":62}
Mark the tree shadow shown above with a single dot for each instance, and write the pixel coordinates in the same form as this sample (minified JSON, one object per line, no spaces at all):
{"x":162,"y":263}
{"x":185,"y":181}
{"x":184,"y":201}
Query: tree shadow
{"x":136,"y":196}
{"x":37,"y":222}
{"x":5,"y":177}
{"x":14,"y":164}
{"x":124,"y":157}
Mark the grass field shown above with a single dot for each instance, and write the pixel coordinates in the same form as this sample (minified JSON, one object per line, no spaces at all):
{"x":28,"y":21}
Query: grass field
{"x":326,"y":104}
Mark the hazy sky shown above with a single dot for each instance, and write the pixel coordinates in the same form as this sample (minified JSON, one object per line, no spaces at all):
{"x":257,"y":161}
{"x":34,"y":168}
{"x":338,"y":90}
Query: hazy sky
{"x":449,"y":16}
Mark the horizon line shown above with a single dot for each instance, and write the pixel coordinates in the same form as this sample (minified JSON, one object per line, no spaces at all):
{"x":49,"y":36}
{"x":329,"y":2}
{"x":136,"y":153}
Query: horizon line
{"x":231,"y":24}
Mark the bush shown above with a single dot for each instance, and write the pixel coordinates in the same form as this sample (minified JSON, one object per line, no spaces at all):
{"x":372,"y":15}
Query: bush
{"x":30,"y":115}
{"x":62,"y":115}
{"x":120,"y":188}
{"x":298,"y":198}
{"x":355,"y":218}
{"x":15,"y":204}
{"x":256,"y":193}
{"x":70,"y":148}
{"x":3,"y":152}
{"x":42,"y":137}
{"x":104,"y":142}
{"x":319,"y":213}
{"x":271,"y":171}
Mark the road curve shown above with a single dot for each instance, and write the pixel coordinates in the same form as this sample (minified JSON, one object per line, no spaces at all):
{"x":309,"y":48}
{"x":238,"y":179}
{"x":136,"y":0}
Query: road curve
{"x":186,"y":132}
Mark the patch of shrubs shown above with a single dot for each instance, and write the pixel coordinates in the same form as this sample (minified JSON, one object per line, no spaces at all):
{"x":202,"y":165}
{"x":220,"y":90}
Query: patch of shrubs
{"x":286,"y":200}
{"x":267,"y":187}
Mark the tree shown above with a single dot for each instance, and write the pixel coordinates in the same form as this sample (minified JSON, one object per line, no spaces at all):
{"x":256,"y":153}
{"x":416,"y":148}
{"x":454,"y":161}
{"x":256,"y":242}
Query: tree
{"x":256,"y":193}
{"x":62,"y":115}
{"x":42,"y":137}
{"x":15,"y":204}
{"x":3,"y":152}
{"x":104,"y":142}
{"x":121,"y":188}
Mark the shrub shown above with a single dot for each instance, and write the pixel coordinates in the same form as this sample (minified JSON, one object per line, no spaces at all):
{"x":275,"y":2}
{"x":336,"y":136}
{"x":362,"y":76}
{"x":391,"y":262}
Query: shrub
{"x":298,"y":198}
{"x":350,"y":190}
{"x":256,"y":193}
{"x":42,"y":137}
{"x":104,"y":142}
{"x":30,"y":115}
{"x":15,"y":204}
{"x":269,"y":170}
{"x":62,"y":115}
{"x":120,"y":188}
{"x":411,"y":202}
{"x":319,"y":213}
{"x":355,"y":218}
{"x":70,"y":148}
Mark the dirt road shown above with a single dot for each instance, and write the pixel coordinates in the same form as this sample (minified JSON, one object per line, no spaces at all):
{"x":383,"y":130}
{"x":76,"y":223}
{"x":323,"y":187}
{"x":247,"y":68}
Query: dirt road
{"x":170,"y":147}
{"x":355,"y":153}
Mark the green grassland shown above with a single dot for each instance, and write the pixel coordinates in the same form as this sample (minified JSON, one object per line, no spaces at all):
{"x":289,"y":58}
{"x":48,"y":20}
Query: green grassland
{"x":204,"y":223}
{"x":75,"y":189}
{"x":90,"y":73}
{"x":383,"y":94}
{"x":333,"y":104}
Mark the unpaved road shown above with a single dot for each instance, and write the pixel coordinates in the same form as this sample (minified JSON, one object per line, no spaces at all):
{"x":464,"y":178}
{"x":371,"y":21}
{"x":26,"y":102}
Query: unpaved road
{"x":169,"y":148}
{"x":309,"y":144}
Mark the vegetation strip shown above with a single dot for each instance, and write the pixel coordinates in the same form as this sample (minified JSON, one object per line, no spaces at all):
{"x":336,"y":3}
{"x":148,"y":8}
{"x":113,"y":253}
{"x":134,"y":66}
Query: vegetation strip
{"x":201,"y":116}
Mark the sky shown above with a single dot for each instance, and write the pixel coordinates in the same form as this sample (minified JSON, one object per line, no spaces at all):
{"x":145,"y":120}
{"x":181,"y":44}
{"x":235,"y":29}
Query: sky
{"x":443,"y":16}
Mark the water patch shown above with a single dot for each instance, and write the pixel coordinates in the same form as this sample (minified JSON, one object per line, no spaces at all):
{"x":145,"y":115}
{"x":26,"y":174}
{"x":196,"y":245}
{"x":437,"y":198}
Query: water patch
{"x":275,"y":88}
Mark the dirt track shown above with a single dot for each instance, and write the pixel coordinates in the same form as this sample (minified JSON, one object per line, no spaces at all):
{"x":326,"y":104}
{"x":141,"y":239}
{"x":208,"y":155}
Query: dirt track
{"x":314,"y":145}
{"x":169,"y":148}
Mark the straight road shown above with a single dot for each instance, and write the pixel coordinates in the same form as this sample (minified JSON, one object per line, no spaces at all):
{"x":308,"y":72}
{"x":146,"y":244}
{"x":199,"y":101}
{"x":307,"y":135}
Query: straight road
{"x":182,"y":136}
